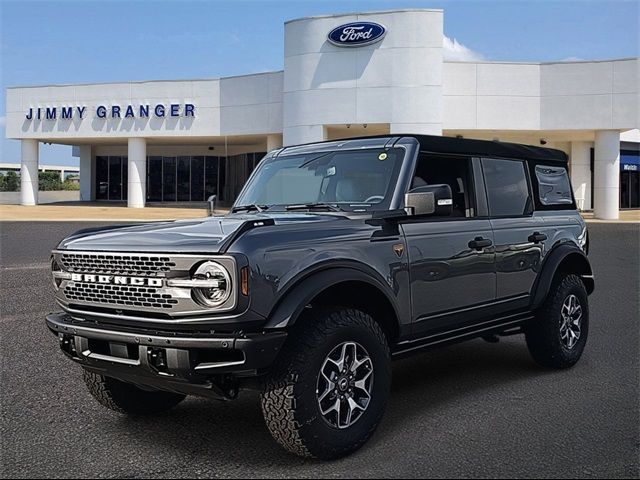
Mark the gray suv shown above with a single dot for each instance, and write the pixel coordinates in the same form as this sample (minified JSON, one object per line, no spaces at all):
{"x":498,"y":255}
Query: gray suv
{"x":336,"y":258}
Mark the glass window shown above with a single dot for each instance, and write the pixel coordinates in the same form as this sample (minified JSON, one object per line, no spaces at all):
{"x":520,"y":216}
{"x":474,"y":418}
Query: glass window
{"x":197,"y":179}
{"x":154,"y":179}
{"x":169,"y":179}
{"x":125,"y":177}
{"x":210,"y":177}
{"x":553,"y":185}
{"x":351,"y":179}
{"x":449,"y":170}
{"x":184,"y":179}
{"x":115,"y":178}
{"x":507,"y":188}
{"x":102,"y":178}
{"x":222,"y":179}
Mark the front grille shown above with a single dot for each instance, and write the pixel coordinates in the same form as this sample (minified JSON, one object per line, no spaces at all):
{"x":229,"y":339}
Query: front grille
{"x":111,"y":283}
{"x":110,"y":264}
{"x":121,"y":295}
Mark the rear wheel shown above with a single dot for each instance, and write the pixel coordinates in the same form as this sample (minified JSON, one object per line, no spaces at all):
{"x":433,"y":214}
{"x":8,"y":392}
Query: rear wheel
{"x":124,"y":397}
{"x":558,"y":335}
{"x":329,"y":388}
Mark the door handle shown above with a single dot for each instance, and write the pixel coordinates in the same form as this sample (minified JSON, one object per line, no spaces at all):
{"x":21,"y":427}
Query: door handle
{"x":479,"y":243}
{"x":537,"y":237}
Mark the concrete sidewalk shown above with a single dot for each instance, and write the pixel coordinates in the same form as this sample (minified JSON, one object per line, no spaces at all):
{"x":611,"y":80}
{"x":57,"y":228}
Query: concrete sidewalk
{"x":68,"y":212}
{"x":625,"y":216}
{"x":72,"y":211}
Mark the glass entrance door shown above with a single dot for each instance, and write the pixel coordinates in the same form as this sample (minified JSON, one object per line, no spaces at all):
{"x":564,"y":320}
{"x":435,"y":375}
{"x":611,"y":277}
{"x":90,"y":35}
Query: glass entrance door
{"x":630,"y":189}
{"x":111,"y":177}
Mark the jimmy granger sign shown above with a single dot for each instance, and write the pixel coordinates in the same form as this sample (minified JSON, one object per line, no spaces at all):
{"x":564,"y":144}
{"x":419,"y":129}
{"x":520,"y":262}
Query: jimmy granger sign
{"x":113,"y":111}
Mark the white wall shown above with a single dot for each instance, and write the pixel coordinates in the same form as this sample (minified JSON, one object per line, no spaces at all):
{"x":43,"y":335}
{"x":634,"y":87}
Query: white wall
{"x":243,"y":105}
{"x":251,"y":104}
{"x":396,"y":81}
{"x":400,"y":81}
{"x":554,"y":96}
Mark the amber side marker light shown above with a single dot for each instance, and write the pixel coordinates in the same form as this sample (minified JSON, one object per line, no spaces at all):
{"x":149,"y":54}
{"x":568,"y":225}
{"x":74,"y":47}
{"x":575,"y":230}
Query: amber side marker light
{"x":244,"y":281}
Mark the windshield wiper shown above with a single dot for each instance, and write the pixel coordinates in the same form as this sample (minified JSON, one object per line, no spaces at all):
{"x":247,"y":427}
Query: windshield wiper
{"x":312,"y":206}
{"x":249,"y":208}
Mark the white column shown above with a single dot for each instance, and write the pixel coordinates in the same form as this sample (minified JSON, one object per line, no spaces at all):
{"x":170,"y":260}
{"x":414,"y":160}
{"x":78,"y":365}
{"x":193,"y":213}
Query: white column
{"x":87,"y":175}
{"x":137,"y":172}
{"x":303,"y":134}
{"x":418,"y":128}
{"x":273,"y":142}
{"x":606,"y":175}
{"x":29,"y":172}
{"x":581,"y":173}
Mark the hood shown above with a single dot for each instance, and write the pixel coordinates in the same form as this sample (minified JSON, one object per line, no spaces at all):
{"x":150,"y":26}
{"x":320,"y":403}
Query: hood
{"x":199,"y":235}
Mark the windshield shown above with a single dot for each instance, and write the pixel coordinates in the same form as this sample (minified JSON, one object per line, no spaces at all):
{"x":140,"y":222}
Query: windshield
{"x":351,"y":180}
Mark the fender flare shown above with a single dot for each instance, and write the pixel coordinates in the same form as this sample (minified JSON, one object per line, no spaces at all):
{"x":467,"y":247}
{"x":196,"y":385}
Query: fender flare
{"x":296,"y":298}
{"x":550,"y":266}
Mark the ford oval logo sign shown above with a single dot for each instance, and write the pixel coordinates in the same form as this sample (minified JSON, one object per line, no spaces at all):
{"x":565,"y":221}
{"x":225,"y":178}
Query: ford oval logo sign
{"x":356,"y":34}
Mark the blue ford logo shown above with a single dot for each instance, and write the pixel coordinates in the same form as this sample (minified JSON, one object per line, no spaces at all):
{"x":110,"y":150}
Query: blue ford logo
{"x":356,"y":34}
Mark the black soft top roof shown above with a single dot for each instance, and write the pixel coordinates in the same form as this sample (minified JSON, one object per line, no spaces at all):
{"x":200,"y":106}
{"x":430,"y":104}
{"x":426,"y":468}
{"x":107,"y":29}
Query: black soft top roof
{"x":466,"y":146}
{"x":437,"y":144}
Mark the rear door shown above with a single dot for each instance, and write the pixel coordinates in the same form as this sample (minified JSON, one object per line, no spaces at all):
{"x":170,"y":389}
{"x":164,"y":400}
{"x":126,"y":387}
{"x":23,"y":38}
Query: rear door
{"x":519,"y":234}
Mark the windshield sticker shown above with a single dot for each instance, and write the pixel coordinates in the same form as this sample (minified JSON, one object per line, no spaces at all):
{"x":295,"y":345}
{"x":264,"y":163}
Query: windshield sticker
{"x":382,"y":156}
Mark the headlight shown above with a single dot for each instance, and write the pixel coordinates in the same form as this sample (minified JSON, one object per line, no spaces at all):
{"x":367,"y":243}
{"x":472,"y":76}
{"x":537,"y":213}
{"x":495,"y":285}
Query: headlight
{"x":56,"y":273}
{"x":216,"y":284}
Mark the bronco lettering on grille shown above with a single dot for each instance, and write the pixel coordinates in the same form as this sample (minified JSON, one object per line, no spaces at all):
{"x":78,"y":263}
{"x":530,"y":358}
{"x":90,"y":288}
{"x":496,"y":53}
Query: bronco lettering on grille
{"x":116,"y":280}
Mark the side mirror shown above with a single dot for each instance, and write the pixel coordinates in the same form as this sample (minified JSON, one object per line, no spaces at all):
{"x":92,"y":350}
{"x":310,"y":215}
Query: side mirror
{"x":434,"y":200}
{"x":211,"y":205}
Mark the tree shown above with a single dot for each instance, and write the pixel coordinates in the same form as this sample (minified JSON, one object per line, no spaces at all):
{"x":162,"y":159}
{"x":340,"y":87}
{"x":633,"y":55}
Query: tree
{"x":10,"y":182}
{"x":48,"y":181}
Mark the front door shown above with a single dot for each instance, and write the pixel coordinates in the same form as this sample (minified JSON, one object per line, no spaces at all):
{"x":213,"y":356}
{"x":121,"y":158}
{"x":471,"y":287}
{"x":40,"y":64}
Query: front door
{"x":447,"y":271}
{"x":451,"y":259}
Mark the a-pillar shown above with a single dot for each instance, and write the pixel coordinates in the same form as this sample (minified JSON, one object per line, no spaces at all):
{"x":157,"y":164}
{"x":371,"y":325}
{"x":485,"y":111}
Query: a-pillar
{"x":606,"y":175}
{"x":137,"y":154}
{"x":29,"y":172}
{"x":581,"y":173}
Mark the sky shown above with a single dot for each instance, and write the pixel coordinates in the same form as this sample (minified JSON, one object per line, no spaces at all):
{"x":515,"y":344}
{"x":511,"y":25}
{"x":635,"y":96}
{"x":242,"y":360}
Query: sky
{"x":53,"y":42}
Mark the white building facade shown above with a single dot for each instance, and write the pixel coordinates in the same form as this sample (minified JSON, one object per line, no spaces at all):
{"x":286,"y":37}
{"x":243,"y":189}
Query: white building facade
{"x":173,"y":141}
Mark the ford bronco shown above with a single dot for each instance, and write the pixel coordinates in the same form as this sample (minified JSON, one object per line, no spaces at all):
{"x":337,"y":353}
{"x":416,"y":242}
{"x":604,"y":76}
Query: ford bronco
{"x":336,"y":258}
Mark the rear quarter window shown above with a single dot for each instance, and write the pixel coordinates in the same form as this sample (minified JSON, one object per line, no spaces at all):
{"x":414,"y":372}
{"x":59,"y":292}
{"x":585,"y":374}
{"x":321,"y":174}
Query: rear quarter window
{"x":554,"y":187}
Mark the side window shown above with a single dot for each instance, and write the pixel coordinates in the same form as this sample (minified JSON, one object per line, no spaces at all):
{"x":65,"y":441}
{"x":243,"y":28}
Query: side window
{"x":453,"y":171}
{"x":553,"y":185}
{"x":507,"y":187}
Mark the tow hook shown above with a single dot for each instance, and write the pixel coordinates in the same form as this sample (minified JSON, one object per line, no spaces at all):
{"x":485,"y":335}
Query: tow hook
{"x":226,"y":387}
{"x":68,"y":345}
{"x":157,"y":358}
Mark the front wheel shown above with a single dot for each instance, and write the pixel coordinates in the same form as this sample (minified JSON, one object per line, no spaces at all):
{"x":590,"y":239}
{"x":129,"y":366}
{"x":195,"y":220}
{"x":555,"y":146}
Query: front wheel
{"x":558,"y":335}
{"x":329,"y":388}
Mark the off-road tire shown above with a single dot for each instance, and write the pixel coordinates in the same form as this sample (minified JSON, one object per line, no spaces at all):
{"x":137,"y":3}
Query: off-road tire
{"x":289,"y":398}
{"x":126,"y":398}
{"x":543,"y":333}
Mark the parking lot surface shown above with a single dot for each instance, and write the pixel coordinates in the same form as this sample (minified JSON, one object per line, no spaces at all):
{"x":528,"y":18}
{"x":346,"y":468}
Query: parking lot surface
{"x":471,"y":410}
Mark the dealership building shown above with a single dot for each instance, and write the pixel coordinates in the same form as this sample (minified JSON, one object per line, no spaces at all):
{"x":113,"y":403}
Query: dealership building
{"x":344,"y":76}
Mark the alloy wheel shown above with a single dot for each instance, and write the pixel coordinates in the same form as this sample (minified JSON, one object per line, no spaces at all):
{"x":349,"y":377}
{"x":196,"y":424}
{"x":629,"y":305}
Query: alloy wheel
{"x":571,"y":321}
{"x":344,"y":385}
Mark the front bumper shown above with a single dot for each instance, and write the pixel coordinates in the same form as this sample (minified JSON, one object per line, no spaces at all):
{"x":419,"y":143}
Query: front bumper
{"x":190,"y":364}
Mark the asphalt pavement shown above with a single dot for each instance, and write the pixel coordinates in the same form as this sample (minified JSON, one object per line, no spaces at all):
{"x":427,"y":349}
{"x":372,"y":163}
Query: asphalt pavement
{"x":471,"y":410}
